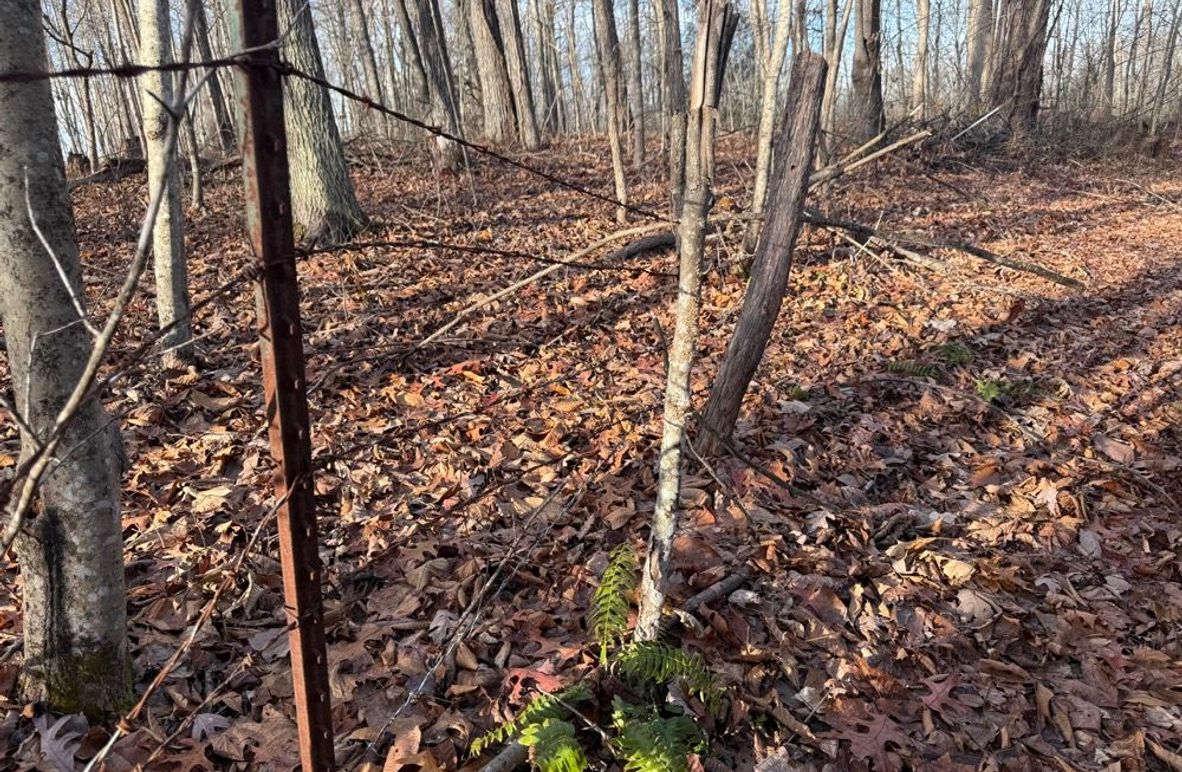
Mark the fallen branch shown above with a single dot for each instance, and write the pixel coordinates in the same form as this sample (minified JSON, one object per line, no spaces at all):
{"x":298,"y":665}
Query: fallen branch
{"x":905,"y":245}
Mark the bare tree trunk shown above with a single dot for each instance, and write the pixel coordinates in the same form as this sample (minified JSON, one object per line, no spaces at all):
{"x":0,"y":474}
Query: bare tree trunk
{"x":767,"y":122}
{"x":834,"y":44}
{"x":414,"y":55}
{"x":715,"y":30}
{"x":1159,"y":98}
{"x":71,"y":551}
{"x":773,"y":258}
{"x":919,"y":78}
{"x":868,"y":118}
{"x":980,"y":27}
{"x":444,"y":106}
{"x":1017,"y":76}
{"x":635,"y":83}
{"x":500,"y":124}
{"x":168,"y":234}
{"x":671,"y":72}
{"x":217,"y":98}
{"x":551,"y":107}
{"x":608,"y":46}
{"x":369,"y":61}
{"x":1107,"y":98}
{"x":515,"y":62}
{"x":323,"y":202}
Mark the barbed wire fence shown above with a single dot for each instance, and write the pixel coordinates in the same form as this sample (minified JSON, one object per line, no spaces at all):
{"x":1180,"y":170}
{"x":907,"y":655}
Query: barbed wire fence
{"x":273,"y":271}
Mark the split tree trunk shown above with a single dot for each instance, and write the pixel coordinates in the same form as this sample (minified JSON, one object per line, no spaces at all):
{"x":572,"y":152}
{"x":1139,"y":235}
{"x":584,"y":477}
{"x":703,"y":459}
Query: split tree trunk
{"x":867,"y":116}
{"x":834,"y":45}
{"x":669,"y":22}
{"x":518,"y":69}
{"x":715,"y":30}
{"x":607,"y":43}
{"x":168,"y":233}
{"x":773,"y":257}
{"x":217,"y":98}
{"x":445,"y":109}
{"x":369,"y":62}
{"x":71,"y":551}
{"x":323,"y":201}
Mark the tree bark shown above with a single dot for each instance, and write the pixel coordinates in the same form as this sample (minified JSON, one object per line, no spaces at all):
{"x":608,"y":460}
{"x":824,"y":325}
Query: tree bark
{"x":715,"y":29}
{"x":773,"y":257}
{"x":217,"y":97}
{"x":323,"y":201}
{"x":608,"y":45}
{"x":500,"y":124}
{"x":867,"y":118}
{"x":168,"y":233}
{"x":834,"y":45}
{"x":1016,"y":79}
{"x":674,"y":88}
{"x":369,"y":61}
{"x":71,"y":551}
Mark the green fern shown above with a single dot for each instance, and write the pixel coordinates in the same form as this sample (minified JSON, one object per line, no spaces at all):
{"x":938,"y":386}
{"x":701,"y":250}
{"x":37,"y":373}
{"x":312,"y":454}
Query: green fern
{"x":654,"y":663}
{"x":956,"y":354}
{"x":609,"y":607}
{"x":537,"y":711}
{"x":555,"y":746}
{"x":646,"y":742}
{"x":911,"y":367}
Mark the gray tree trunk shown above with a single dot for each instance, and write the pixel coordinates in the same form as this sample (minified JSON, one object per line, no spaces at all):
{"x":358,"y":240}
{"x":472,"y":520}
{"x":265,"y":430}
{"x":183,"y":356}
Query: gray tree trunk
{"x":324,"y":204}
{"x":980,"y":27}
{"x":369,"y":62}
{"x":607,"y":43}
{"x":767,"y":122}
{"x":635,"y":83}
{"x":674,"y":88}
{"x":168,"y":234}
{"x":867,"y":117}
{"x":1016,"y":78}
{"x":919,"y":78}
{"x":715,"y":30}
{"x":71,"y":551}
{"x":217,"y":97}
{"x":834,"y":44}
{"x":773,"y":257}
{"x":518,"y":69}
{"x":496,"y":98}
{"x":444,"y":106}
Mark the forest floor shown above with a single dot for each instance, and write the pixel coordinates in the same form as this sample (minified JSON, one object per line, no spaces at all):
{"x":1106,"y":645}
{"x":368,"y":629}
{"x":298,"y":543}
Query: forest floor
{"x":957,"y":496}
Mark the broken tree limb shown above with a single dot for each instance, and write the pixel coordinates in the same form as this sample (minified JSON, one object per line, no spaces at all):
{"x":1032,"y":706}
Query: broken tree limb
{"x":844,"y":167}
{"x":905,"y":245}
{"x":773,"y":255}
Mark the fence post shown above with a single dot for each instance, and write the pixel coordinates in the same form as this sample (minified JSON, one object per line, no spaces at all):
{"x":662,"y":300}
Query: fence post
{"x":268,"y":207}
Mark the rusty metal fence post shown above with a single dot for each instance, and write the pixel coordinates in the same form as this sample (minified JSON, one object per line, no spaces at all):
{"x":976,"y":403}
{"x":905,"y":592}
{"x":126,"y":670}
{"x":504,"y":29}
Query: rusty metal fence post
{"x":268,"y":205}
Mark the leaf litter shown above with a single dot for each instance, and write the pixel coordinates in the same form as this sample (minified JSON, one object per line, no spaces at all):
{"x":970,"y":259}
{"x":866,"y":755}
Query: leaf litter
{"x":969,"y":562}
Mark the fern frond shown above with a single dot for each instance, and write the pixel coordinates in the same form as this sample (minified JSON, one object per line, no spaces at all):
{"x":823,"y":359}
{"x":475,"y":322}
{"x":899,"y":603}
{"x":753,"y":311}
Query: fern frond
{"x":911,"y":367}
{"x":555,"y":746}
{"x":654,"y":663}
{"x":956,"y":354}
{"x":646,"y":742}
{"x":609,"y":606}
{"x":537,"y":711}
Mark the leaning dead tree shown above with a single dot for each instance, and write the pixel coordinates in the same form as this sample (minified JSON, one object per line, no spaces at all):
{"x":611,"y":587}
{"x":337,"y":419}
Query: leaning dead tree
{"x":773,"y":256}
{"x":715,"y":32}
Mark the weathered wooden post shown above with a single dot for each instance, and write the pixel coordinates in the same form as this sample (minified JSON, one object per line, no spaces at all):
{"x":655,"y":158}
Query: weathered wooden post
{"x":268,"y":205}
{"x":773,"y":256}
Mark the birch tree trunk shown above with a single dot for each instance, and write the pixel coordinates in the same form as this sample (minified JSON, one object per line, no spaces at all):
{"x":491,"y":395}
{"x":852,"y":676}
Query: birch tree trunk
{"x":715,"y":30}
{"x":635,"y":83}
{"x":767,"y":124}
{"x":71,"y":551}
{"x":323,"y":202}
{"x":168,"y":233}
{"x":773,"y":258}
{"x":608,"y":45}
{"x":867,"y":118}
